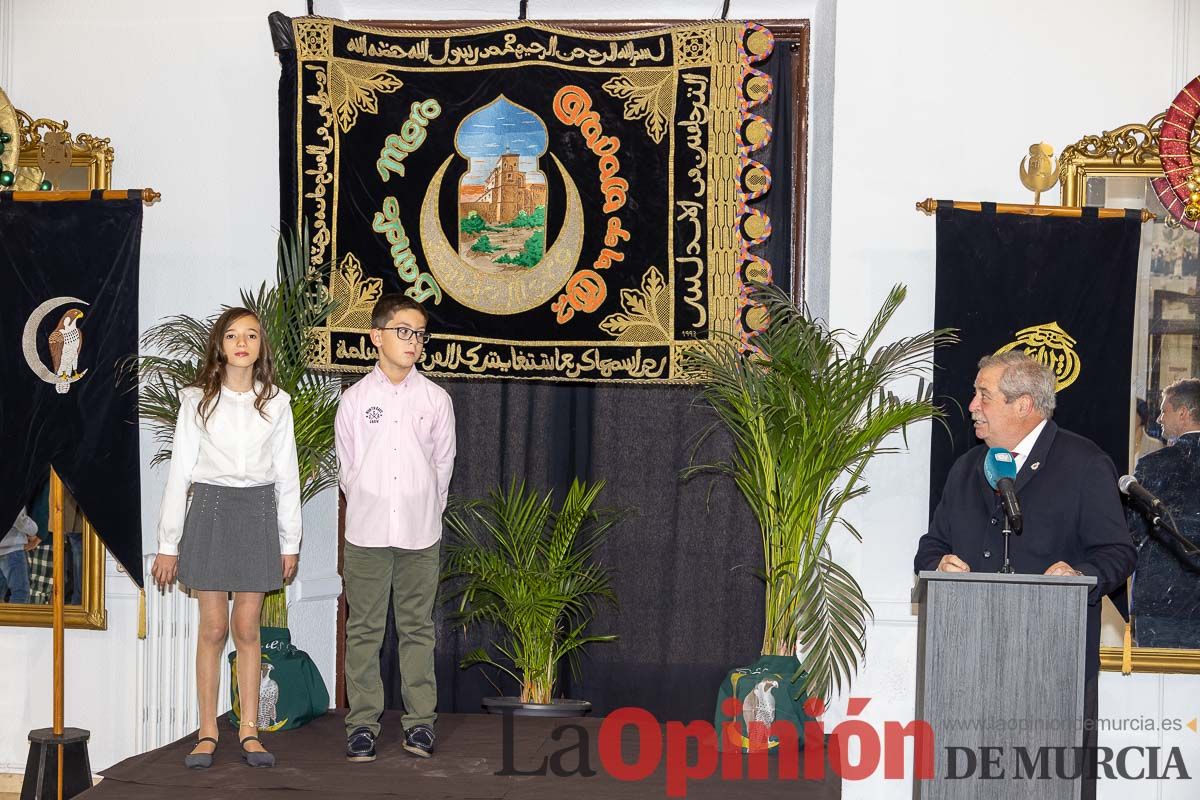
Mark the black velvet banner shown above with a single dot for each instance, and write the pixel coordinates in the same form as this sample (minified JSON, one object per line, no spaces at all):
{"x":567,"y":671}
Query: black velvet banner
{"x":1062,"y":290}
{"x":569,"y":206}
{"x":68,"y":316}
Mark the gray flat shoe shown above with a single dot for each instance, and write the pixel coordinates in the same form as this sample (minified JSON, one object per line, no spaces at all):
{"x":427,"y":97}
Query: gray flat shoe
{"x":200,"y":760}
{"x":256,"y":759}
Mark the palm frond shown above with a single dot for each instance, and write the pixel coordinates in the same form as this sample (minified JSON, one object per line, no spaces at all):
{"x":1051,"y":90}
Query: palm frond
{"x":806,"y":413}
{"x":515,"y":562}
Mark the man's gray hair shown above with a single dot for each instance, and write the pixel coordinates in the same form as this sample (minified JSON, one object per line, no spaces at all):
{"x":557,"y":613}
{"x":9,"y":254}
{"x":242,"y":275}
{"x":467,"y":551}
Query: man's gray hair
{"x":1024,"y":375}
{"x":1185,"y":393}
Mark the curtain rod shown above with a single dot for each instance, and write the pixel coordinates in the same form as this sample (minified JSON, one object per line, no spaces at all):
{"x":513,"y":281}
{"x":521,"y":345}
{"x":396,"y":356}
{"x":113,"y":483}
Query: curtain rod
{"x":929,"y":206}
{"x":149,"y":196}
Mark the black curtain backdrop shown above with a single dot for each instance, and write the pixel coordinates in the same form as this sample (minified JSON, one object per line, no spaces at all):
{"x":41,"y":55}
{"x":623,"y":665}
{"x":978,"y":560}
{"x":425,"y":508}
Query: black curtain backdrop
{"x":998,"y":274}
{"x":684,"y":561}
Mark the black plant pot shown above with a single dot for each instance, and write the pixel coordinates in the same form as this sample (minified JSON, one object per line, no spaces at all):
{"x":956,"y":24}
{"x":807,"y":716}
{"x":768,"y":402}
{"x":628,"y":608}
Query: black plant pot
{"x":555,"y":708}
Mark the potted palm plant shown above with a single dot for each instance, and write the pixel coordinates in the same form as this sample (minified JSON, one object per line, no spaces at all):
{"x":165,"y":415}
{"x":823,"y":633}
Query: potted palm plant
{"x":287,"y":310}
{"x":517,"y":564}
{"x":807,"y":412}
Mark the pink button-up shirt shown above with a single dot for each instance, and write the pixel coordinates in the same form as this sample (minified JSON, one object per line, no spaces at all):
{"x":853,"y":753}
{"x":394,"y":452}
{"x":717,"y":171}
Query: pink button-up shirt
{"x":395,"y":447}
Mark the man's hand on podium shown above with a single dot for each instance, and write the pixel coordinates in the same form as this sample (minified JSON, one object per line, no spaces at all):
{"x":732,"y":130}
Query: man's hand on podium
{"x":952,"y":563}
{"x":1062,"y":568}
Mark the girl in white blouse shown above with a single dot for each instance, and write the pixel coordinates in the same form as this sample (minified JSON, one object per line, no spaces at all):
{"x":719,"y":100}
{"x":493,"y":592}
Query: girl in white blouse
{"x":235,"y":450}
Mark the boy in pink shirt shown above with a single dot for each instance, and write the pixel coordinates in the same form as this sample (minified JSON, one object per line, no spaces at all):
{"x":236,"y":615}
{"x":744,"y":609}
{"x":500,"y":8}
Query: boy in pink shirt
{"x":395,"y":447}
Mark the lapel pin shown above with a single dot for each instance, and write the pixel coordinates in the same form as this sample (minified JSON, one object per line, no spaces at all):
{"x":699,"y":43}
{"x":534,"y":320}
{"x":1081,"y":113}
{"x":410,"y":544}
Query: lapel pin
{"x":1035,"y":465}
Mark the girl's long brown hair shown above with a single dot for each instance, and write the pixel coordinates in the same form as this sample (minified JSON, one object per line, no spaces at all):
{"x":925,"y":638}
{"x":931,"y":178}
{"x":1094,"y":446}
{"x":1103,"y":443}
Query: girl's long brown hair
{"x":212,"y":371}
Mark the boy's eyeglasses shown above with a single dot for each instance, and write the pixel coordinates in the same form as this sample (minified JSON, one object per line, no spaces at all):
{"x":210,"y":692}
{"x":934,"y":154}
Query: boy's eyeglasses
{"x":404,"y":334}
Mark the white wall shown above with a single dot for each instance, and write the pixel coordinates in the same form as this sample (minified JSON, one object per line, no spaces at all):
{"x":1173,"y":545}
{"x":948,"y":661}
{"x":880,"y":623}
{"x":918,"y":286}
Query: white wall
{"x":933,"y":98}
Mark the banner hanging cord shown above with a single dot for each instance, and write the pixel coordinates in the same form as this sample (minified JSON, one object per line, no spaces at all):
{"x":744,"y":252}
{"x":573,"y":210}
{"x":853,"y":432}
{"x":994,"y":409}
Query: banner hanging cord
{"x":725,"y":10}
{"x":523,"y":11}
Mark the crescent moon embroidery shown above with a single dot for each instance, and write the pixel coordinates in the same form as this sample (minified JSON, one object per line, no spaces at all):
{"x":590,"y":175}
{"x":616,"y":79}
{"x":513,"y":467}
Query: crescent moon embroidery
{"x":509,"y":292}
{"x":62,"y":384}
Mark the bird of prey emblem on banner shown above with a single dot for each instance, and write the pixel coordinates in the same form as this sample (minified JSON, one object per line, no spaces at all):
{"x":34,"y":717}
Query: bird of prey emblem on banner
{"x":65,"y":343}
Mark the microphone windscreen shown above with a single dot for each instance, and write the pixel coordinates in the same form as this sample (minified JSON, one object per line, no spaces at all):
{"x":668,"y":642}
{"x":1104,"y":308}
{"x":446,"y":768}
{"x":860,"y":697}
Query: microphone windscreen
{"x":999,"y":463}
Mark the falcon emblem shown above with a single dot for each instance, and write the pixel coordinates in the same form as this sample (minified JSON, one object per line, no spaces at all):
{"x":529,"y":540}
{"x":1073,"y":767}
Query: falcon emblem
{"x":66,"y":341}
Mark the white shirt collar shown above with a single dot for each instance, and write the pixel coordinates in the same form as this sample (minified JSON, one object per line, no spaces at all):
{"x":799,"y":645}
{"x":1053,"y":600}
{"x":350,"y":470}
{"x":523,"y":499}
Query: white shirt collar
{"x":413,"y":376}
{"x":1024,"y":447}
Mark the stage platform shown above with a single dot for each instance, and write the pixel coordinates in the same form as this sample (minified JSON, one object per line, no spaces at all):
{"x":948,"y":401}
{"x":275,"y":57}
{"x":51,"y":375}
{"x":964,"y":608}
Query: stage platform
{"x":312,"y":766}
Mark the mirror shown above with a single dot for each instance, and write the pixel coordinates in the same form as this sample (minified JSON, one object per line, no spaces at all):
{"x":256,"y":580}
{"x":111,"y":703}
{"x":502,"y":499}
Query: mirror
{"x":1113,"y":170}
{"x":48,"y":151}
{"x":27,"y":564}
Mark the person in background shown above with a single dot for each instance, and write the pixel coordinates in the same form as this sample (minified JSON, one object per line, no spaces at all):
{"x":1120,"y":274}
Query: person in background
{"x":14,"y":570}
{"x":1166,"y":584}
{"x":1144,"y":441}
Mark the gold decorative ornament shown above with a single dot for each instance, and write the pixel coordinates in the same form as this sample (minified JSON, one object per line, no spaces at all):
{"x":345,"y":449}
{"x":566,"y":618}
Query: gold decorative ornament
{"x":1052,"y":346}
{"x":756,"y":132}
{"x":756,"y":179}
{"x":647,"y":312}
{"x":1038,"y":170}
{"x":10,"y":150}
{"x":48,"y":151}
{"x":757,"y":88}
{"x":755,"y":226}
{"x":353,"y":88}
{"x":648,"y":95}
{"x":757,"y":318}
{"x":353,"y":296}
{"x":759,"y":43}
{"x":1126,"y":151}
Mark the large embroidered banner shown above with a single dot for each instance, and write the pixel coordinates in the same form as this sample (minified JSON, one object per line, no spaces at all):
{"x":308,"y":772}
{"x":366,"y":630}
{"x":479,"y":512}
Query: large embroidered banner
{"x":568,"y":206}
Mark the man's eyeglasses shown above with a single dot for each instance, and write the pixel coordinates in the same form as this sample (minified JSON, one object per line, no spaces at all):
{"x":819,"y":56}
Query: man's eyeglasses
{"x":405,"y":334}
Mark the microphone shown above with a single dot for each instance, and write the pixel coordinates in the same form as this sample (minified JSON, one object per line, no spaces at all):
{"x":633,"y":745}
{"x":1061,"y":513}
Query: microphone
{"x":1132,"y":489}
{"x":1000,"y":469}
{"x":1160,"y":515}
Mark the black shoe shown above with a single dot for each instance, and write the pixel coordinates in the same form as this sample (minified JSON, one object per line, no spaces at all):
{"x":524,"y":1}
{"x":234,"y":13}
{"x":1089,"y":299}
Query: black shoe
{"x":360,"y":745}
{"x":196,"y":760}
{"x":418,"y":740}
{"x":256,"y":758}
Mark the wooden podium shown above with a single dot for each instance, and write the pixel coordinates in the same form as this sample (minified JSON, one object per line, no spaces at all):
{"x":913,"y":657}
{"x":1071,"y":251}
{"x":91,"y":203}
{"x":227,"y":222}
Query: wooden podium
{"x":1000,"y":679}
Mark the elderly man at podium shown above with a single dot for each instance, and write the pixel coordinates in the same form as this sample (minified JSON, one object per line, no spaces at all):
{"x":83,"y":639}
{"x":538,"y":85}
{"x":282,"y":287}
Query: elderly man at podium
{"x":1066,"y":487}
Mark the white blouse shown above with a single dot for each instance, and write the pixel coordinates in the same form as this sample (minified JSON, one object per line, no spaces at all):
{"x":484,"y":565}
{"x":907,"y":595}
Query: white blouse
{"x":237,"y":448}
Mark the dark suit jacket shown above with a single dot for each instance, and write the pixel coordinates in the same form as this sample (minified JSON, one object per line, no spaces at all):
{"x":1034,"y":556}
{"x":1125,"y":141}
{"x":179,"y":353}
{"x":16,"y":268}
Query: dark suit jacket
{"x":1072,"y":512}
{"x":1166,"y":586}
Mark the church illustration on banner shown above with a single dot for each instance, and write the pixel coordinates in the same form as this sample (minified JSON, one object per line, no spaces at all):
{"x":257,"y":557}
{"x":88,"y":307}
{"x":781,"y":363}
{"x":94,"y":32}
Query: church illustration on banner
{"x":502,"y":198}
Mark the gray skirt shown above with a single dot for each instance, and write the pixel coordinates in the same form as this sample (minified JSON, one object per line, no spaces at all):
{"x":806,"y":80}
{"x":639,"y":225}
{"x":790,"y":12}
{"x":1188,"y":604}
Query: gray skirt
{"x":231,"y":540}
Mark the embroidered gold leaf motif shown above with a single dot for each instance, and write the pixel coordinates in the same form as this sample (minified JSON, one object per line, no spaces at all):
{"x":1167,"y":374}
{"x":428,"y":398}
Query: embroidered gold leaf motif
{"x":648,"y":94}
{"x":1052,"y":346}
{"x":647,"y":316}
{"x":353,"y":88}
{"x":353,"y":298}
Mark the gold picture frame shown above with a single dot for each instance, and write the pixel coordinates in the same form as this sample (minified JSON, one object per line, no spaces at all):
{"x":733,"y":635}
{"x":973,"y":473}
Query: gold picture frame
{"x":1130,"y":153}
{"x":90,"y":613}
{"x":88,"y":158}
{"x":77,"y":161}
